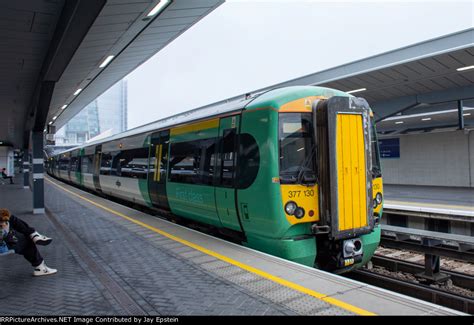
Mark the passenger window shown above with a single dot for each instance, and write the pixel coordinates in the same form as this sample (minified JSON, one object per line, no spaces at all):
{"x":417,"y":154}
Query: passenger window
{"x":106,"y":163}
{"x":248,"y":160}
{"x":73,"y":164}
{"x":87,"y":166}
{"x":132,"y":163}
{"x":64,"y":164}
{"x":192,"y":162}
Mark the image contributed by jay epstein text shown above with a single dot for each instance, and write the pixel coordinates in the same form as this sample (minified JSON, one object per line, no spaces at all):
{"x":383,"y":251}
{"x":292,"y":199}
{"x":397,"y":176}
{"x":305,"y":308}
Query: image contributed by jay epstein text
{"x":89,"y":320}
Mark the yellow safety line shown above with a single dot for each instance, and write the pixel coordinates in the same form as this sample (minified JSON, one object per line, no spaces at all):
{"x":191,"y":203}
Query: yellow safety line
{"x":248,"y":268}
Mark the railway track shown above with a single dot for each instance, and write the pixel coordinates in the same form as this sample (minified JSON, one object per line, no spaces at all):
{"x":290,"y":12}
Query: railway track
{"x":417,"y":289}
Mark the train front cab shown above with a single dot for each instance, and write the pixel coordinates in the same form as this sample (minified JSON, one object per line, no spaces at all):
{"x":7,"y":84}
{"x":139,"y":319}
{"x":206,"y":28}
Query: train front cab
{"x":329,"y":189}
{"x":350,"y":182}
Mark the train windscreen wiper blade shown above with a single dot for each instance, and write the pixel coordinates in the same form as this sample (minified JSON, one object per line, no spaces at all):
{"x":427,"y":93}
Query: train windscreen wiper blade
{"x":304,"y":166}
{"x":287,"y":179}
{"x":376,"y":171}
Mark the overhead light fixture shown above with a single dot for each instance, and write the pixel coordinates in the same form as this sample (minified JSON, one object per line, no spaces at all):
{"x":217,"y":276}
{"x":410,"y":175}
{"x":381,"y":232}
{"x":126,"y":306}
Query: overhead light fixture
{"x":106,"y":61}
{"x":158,"y":8}
{"x":466,"y":114}
{"x":54,"y":118}
{"x":465,"y":68}
{"x":399,"y":122}
{"x":77,"y":92}
{"x":356,"y":90}
{"x":50,"y":123}
{"x":426,"y":119}
{"x":44,"y":130}
{"x":64,"y":106}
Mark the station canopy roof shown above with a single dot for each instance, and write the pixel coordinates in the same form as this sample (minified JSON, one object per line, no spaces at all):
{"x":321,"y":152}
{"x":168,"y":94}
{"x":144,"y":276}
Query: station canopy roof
{"x":53,"y":48}
{"x":424,"y":78}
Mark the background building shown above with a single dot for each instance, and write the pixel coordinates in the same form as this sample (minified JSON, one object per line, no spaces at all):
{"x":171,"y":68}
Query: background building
{"x":106,"y":114}
{"x":112,"y":108}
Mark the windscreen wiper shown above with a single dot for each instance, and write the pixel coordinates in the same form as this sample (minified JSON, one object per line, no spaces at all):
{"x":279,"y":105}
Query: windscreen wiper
{"x":376,"y":171}
{"x":305,"y":165}
{"x":288,"y":179}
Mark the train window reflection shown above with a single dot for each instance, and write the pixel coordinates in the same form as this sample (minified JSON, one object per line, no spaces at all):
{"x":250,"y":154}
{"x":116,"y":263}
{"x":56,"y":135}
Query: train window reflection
{"x":297,"y":148}
{"x":193,"y":161}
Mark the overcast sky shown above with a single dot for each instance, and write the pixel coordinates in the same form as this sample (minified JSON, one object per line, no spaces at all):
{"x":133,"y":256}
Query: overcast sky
{"x":247,"y":45}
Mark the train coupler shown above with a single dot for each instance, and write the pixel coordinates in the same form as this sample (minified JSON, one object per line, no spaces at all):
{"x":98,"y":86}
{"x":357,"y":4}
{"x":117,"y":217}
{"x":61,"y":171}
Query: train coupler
{"x":345,"y":262}
{"x":319,"y":230}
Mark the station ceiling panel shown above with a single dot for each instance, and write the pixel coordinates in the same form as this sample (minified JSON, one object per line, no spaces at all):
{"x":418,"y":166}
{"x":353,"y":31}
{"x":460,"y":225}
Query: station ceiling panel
{"x":122,"y":29}
{"x":65,"y":42}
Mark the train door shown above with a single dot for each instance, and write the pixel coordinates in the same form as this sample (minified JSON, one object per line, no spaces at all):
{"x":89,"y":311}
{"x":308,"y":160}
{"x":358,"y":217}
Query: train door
{"x":158,"y":165}
{"x":96,"y":170}
{"x":225,"y":173}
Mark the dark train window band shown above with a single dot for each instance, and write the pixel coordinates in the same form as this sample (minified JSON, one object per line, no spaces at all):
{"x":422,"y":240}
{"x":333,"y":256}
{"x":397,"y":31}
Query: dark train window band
{"x":131,"y":163}
{"x":227,"y":159}
{"x":248,"y":161}
{"x":87,"y":166}
{"x":193,"y":162}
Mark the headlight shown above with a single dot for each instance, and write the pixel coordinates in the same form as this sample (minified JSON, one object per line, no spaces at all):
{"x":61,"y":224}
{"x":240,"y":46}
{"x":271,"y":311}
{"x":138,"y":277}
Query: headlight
{"x":378,"y":198}
{"x":290,"y":207}
{"x":375,"y":203}
{"x":299,"y":213}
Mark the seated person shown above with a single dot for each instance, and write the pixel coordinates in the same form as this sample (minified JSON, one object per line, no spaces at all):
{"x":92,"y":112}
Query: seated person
{"x":21,"y":238}
{"x":5,"y":176}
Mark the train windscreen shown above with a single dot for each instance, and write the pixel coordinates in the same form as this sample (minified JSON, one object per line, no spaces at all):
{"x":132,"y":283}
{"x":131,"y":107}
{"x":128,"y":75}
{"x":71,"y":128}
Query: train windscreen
{"x":297,"y":148}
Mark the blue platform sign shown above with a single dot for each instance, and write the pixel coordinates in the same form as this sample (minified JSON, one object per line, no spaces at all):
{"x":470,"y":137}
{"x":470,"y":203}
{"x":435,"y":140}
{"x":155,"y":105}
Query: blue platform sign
{"x":389,"y":148}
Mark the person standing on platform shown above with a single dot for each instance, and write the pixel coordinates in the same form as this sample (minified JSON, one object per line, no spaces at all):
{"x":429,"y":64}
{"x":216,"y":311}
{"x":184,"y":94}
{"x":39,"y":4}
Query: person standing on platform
{"x":21,"y":238}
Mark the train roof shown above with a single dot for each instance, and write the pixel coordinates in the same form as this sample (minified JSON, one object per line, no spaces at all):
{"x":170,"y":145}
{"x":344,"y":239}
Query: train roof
{"x":211,"y":110}
{"x":181,"y":118}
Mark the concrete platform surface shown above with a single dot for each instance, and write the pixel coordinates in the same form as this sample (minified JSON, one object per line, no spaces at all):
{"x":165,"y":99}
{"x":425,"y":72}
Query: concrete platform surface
{"x":114,"y":260}
{"x":430,"y":199}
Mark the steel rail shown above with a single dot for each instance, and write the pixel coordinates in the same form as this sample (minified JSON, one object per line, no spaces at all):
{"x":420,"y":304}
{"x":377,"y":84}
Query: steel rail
{"x":413,"y":289}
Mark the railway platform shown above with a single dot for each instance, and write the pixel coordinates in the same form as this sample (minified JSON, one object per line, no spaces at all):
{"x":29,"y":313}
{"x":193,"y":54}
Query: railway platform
{"x":114,"y":260}
{"x":435,"y":200}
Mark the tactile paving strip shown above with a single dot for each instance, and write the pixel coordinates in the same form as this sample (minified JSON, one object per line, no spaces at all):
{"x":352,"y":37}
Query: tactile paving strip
{"x":294,"y":300}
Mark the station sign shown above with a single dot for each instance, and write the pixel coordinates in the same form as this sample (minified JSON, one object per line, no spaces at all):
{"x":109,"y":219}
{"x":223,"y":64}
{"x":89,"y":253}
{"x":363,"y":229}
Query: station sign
{"x":389,"y":148}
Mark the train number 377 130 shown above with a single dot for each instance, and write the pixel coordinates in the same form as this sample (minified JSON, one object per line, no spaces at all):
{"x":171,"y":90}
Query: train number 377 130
{"x":307,"y":193}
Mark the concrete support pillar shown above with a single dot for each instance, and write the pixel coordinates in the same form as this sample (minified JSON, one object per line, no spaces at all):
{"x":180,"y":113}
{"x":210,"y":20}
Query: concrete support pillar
{"x":26,"y":169}
{"x":37,"y":170}
{"x":460,"y":115}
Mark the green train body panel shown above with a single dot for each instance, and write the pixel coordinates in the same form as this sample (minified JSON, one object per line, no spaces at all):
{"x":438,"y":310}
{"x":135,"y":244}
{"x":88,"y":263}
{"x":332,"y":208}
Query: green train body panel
{"x":195,"y":202}
{"x":143,"y":186}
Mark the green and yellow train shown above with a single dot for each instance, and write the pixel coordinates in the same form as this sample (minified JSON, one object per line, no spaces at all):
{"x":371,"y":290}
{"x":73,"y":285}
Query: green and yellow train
{"x":293,"y":172}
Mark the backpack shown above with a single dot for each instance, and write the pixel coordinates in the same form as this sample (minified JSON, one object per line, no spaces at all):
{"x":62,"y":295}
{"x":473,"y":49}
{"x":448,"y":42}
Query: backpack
{"x":7,"y":238}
